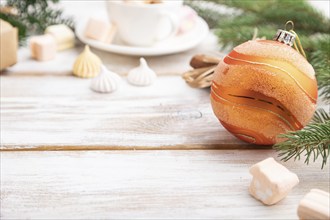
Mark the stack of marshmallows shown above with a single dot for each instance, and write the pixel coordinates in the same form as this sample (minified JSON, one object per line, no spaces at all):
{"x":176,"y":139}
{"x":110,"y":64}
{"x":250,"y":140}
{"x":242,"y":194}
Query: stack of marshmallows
{"x":56,"y":38}
{"x":272,"y":182}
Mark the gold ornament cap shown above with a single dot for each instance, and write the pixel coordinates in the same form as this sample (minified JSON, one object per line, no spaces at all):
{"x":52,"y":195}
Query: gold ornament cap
{"x":285,"y":37}
{"x":289,"y":37}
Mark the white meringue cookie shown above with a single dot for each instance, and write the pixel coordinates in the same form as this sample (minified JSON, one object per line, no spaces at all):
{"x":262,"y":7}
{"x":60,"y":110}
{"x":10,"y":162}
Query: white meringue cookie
{"x":106,"y":81}
{"x":141,"y":75}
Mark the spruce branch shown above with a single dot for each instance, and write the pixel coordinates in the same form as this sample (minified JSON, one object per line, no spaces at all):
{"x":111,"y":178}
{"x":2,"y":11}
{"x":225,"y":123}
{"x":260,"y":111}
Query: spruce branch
{"x":320,"y":60}
{"x":313,"y":28}
{"x":313,"y":141}
{"x":34,"y":16}
{"x":320,"y":116}
{"x":237,"y":25}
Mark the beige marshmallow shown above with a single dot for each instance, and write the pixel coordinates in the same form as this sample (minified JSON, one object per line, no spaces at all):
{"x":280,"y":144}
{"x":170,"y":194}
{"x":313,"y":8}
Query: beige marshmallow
{"x":271,"y":181}
{"x":314,"y":205}
{"x":63,"y":35}
{"x":100,"y":30}
{"x":8,"y":44}
{"x":43,"y":47}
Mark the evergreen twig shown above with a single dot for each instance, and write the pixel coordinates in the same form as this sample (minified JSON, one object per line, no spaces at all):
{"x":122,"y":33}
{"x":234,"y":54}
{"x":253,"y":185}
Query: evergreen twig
{"x":238,"y":26}
{"x":33,"y":16}
{"x":312,"y":141}
{"x":313,"y":28}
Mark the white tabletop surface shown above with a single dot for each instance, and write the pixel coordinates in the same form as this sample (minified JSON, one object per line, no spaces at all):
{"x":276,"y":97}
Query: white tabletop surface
{"x":69,"y":153}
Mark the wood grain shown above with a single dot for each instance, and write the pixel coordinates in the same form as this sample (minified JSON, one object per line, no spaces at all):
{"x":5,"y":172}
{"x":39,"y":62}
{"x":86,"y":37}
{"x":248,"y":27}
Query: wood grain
{"x":195,"y":184}
{"x":62,"y":113}
{"x":44,"y":108}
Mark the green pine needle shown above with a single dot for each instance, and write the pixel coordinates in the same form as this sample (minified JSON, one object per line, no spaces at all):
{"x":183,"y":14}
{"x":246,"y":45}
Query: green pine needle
{"x":313,"y":28}
{"x":321,"y":116}
{"x":313,"y":141}
{"x":34,"y":16}
{"x":244,"y":16}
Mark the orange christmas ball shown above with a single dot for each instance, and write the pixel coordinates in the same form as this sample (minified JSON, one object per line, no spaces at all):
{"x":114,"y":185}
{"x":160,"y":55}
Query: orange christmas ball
{"x":263,"y":88}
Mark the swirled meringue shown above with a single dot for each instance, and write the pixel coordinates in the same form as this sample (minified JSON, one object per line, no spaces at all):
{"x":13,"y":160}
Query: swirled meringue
{"x":106,"y":82}
{"x":141,"y":75}
{"x":87,"y":65}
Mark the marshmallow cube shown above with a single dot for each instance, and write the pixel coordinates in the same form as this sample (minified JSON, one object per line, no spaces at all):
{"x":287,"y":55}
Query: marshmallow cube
{"x":314,"y":205}
{"x":8,"y":44}
{"x":271,"y":181}
{"x":43,"y":47}
{"x":100,"y":30}
{"x":63,"y":35}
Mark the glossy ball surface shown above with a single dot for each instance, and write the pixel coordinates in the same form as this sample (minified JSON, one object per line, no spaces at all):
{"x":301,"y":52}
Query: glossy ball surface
{"x":263,"y":88}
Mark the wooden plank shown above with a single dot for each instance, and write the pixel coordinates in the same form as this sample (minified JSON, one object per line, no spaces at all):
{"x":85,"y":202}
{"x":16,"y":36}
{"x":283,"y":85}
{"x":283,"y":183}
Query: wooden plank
{"x":62,"y":113}
{"x":195,"y":184}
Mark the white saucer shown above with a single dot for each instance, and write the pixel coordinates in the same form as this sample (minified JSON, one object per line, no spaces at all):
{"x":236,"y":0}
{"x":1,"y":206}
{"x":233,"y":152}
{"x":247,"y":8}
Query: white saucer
{"x":177,"y":43}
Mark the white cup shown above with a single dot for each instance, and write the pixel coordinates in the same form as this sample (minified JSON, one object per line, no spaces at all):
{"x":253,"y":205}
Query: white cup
{"x":141,"y":24}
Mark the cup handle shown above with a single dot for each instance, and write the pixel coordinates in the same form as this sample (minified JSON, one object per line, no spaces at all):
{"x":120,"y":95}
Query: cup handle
{"x":174,"y":21}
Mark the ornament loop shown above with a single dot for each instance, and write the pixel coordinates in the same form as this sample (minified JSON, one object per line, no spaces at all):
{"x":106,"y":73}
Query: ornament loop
{"x":298,"y":48}
{"x":289,"y":23}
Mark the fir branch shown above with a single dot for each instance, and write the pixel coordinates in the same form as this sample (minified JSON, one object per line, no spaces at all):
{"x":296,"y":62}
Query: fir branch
{"x":313,"y":141}
{"x":313,"y":29}
{"x":233,"y":29}
{"x":34,"y":16}
{"x":277,"y":12}
{"x":211,"y":12}
{"x":320,"y":116}
{"x":320,"y":60}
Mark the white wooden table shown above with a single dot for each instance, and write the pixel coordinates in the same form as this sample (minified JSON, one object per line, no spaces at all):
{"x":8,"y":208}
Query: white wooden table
{"x":140,"y":153}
